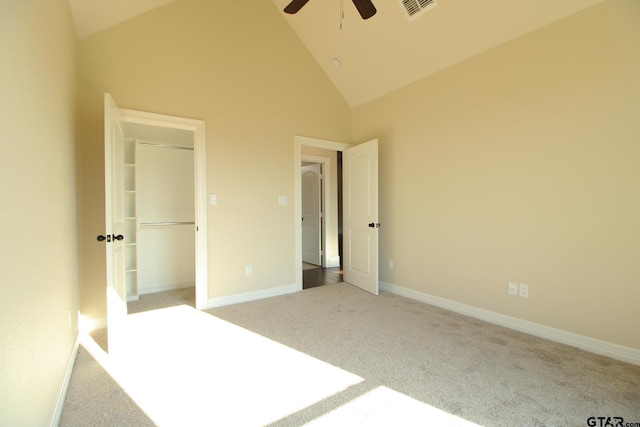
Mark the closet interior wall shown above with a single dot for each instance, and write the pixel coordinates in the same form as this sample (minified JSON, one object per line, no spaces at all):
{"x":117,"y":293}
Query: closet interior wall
{"x":159,"y":210}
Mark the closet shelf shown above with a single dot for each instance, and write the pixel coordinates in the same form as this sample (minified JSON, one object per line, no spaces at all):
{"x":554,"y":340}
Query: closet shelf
{"x":159,"y":144}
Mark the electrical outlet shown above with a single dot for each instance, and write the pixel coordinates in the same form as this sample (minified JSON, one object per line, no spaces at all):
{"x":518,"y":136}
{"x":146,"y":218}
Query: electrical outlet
{"x":513,"y":288}
{"x":248,"y":270}
{"x":390,"y":264}
{"x":524,"y":290}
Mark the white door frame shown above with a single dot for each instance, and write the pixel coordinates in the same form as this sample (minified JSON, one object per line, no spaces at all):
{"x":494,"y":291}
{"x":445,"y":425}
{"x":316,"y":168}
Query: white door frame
{"x":301,"y":141}
{"x":200,"y":170}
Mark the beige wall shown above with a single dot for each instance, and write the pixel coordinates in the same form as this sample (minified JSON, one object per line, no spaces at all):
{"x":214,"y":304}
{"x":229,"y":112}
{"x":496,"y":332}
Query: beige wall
{"x":245,"y":73}
{"x":38,"y":282}
{"x":522,"y":164}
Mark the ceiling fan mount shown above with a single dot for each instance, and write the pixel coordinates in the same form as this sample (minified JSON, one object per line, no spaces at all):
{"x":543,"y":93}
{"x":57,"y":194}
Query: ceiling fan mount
{"x":365,"y":7}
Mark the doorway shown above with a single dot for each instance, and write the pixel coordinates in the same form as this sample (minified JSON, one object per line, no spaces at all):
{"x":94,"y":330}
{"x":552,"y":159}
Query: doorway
{"x":160,"y":163}
{"x":133,"y":139}
{"x":329,"y":155}
{"x":321,"y":200}
{"x":360,"y":211}
{"x":120,"y":211}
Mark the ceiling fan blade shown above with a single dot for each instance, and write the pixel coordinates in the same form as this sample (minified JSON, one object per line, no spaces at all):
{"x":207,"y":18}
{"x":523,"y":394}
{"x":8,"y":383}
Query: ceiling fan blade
{"x":295,"y":6}
{"x":366,"y":8}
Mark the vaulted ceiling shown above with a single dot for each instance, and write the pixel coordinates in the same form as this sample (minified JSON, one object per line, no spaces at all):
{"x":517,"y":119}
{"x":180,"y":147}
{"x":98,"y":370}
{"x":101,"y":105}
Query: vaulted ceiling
{"x":387,"y":51}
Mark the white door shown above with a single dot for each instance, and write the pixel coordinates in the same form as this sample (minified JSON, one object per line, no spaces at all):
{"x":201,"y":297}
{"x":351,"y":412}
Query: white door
{"x":311,"y":214}
{"x":114,"y":202}
{"x":360,"y":215}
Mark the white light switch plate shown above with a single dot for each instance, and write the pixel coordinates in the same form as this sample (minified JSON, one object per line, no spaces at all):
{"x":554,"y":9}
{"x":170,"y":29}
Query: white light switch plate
{"x":283,"y":200}
{"x":213,"y":199}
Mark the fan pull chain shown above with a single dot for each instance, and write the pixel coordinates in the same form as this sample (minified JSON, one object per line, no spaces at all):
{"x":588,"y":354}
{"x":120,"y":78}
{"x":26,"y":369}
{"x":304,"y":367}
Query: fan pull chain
{"x":341,"y":12}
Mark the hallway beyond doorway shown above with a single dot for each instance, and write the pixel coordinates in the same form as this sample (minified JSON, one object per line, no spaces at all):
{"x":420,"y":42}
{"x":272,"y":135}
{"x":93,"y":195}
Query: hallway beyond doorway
{"x":314,"y":277}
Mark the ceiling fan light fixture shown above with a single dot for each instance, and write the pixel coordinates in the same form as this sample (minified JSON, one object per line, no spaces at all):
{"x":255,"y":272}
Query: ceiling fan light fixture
{"x":365,"y":7}
{"x":295,"y":6}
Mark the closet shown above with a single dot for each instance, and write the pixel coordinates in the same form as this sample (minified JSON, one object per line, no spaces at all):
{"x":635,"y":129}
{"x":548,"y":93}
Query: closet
{"x":159,"y":209}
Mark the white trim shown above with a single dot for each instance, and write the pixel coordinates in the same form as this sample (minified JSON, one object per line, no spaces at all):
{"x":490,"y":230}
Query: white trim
{"x":202,"y":236}
{"x":321,"y":143}
{"x":64,"y":386}
{"x":163,"y":120}
{"x":299,"y":141}
{"x":251,"y":296}
{"x":163,"y":287}
{"x":200,"y":170}
{"x":603,"y":348}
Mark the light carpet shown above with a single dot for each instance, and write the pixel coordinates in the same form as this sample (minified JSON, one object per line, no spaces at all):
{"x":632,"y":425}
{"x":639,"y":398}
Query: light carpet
{"x":335,"y":355}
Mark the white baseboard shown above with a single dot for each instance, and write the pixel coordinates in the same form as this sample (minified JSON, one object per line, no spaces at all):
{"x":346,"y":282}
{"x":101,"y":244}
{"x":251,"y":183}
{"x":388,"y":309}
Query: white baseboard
{"x":163,"y":287}
{"x":251,"y":296}
{"x":62,"y":392}
{"x":604,"y":348}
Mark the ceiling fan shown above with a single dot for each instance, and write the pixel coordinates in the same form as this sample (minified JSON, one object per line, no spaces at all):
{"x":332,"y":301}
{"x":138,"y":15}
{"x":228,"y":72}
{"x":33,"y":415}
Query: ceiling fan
{"x":365,"y":7}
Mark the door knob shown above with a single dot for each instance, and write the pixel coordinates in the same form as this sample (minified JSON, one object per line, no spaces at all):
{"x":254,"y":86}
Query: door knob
{"x":118,"y":237}
{"x":101,"y":238}
{"x":374,"y":225}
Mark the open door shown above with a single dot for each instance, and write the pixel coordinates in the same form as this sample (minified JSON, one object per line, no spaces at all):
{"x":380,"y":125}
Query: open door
{"x":115,"y":223}
{"x":311,"y":214}
{"x":360,"y":215}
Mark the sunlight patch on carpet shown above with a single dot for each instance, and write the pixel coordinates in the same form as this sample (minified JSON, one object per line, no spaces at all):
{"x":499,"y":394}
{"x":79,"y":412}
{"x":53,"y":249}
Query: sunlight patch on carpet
{"x":383,"y":406}
{"x":185,"y":367}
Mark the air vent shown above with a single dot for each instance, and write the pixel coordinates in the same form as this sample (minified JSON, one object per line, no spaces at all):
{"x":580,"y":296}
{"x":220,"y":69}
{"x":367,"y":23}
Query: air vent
{"x":415,"y":8}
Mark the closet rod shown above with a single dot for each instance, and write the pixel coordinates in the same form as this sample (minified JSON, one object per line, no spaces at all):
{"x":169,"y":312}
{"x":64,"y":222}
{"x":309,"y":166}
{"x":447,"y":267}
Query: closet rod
{"x":163,"y":224}
{"x":163,"y":145}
